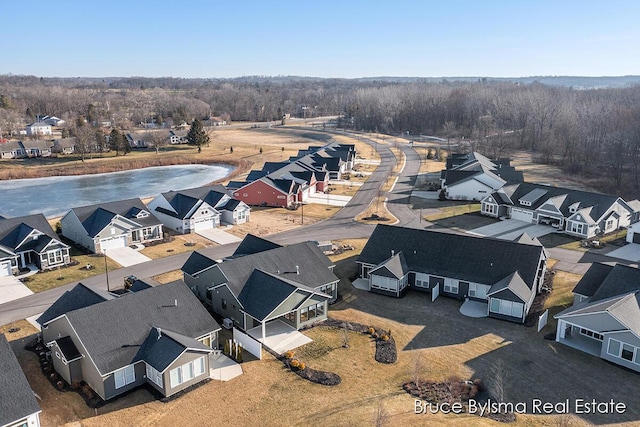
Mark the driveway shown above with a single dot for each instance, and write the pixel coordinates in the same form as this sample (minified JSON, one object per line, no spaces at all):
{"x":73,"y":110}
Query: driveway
{"x":126,"y":256}
{"x":218,"y":236}
{"x":629,"y":252}
{"x":280,"y":336}
{"x":12,"y":289}
{"x":511,"y":228}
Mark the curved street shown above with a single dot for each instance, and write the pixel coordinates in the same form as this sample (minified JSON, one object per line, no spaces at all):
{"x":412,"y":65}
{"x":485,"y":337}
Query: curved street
{"x":340,"y":226}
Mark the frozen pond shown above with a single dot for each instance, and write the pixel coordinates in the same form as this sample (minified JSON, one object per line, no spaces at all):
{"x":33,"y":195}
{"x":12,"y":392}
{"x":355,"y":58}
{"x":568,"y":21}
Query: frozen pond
{"x":54,"y":196}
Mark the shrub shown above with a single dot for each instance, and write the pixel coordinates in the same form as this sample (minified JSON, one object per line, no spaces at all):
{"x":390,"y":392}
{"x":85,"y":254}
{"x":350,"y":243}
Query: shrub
{"x":371,"y":330}
{"x":302,"y":366}
{"x":75,"y":385}
{"x":289,"y":354}
{"x":384,"y":337}
{"x":374,"y":335}
{"x":295,"y":363}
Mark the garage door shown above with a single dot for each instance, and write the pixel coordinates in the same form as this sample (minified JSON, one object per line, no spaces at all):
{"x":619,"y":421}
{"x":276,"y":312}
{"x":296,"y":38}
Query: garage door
{"x":5,"y":268}
{"x":636,"y":237}
{"x":203,"y":224}
{"x":113,"y":242}
{"x":522,"y":215}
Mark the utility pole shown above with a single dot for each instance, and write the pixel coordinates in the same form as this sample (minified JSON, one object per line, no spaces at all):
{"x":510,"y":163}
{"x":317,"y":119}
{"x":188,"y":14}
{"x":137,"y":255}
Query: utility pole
{"x":106,"y":269}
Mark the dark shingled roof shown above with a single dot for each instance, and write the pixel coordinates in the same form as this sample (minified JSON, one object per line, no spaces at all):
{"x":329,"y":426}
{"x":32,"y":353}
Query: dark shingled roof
{"x":482,"y":260}
{"x":264,"y":292}
{"x":14,"y":230}
{"x":95,"y":218}
{"x":197,"y":263}
{"x":16,"y":397}
{"x":162,"y":347}
{"x":253,"y":244}
{"x":620,"y":280}
{"x":514,"y":284}
{"x":68,"y":348}
{"x":592,"y":279}
{"x":396,"y":265}
{"x":113,"y":331}
{"x":78,"y":297}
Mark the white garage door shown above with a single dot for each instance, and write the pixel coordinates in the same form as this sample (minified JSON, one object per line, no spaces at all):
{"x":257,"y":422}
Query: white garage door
{"x":5,"y":268}
{"x":203,"y":224}
{"x":113,"y":242}
{"x":522,"y":215}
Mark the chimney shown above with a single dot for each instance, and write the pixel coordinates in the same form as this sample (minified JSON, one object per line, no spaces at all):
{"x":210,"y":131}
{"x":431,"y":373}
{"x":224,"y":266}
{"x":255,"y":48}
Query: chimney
{"x":159,"y":333}
{"x":297,"y":269}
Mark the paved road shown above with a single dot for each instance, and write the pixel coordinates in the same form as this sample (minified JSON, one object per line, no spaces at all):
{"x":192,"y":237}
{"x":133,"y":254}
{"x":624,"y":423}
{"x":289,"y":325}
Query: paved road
{"x":340,"y":226}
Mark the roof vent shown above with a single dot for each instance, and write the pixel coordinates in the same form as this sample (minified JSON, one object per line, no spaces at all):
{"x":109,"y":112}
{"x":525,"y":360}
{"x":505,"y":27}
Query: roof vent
{"x":297,"y":269}
{"x":393,"y":252}
{"x":159,"y":332}
{"x":175,"y":302}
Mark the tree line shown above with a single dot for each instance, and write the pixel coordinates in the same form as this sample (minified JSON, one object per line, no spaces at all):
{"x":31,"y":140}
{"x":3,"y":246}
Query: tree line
{"x":590,"y":132}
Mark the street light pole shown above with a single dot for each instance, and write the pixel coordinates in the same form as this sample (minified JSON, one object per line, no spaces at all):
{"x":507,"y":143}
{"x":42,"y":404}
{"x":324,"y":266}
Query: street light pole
{"x":106,"y":269}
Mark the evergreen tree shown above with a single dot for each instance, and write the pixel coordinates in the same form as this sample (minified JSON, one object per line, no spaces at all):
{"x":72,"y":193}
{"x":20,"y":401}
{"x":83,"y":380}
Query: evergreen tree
{"x":115,"y":140}
{"x":197,"y":136}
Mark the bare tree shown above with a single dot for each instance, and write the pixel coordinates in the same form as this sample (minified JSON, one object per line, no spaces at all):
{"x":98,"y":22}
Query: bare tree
{"x":497,"y":380}
{"x":159,"y":139}
{"x":418,"y":366}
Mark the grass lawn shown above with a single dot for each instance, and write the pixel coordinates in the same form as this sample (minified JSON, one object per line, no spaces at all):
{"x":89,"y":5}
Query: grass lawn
{"x":378,"y":207}
{"x":343,"y":190}
{"x":174,"y":247}
{"x":51,"y":279}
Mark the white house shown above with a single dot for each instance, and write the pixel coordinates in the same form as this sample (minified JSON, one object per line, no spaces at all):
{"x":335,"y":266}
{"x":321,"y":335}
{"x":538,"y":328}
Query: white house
{"x":52,"y":120}
{"x":111,"y":225}
{"x":197,"y":209}
{"x":633,"y":233}
{"x":38,"y":128}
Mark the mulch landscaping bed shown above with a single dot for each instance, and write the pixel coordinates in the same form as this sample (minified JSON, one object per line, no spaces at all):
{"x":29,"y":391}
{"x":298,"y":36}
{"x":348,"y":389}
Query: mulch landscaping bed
{"x":386,"y":351}
{"x":537,"y":307}
{"x":318,"y":377}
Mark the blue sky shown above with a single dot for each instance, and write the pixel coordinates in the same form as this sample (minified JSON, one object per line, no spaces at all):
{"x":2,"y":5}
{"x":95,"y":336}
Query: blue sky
{"x":348,"y":38}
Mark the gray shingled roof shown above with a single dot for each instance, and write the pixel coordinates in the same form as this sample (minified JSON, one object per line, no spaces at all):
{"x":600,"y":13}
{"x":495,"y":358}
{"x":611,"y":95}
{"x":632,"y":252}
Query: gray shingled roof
{"x":162,"y":347}
{"x":482,"y":260}
{"x":197,"y":263}
{"x":14,"y":230}
{"x":113,"y":331}
{"x":592,"y":279}
{"x":396,"y":265}
{"x":620,"y":280}
{"x":16,"y":397}
{"x":78,"y":297}
{"x":253,"y":244}
{"x":514,"y":284}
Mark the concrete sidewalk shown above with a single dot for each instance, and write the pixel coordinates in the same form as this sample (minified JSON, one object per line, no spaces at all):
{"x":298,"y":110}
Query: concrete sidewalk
{"x":329,"y":199}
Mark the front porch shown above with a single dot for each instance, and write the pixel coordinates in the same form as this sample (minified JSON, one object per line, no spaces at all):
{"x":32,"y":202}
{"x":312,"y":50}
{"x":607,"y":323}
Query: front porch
{"x":573,"y":338}
{"x":279,"y":336}
{"x":223,"y":368}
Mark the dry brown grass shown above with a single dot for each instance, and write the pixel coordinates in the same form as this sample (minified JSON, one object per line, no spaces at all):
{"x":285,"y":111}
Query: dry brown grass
{"x":168,"y":277}
{"x":377,"y":207}
{"x":176,"y":246}
{"x":450,"y":211}
{"x":357,"y":245}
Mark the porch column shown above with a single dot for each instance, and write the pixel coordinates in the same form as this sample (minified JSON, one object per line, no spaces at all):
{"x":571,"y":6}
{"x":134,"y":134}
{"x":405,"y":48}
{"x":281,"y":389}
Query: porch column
{"x":264,"y":334}
{"x":561,"y":330}
{"x":22,"y":259}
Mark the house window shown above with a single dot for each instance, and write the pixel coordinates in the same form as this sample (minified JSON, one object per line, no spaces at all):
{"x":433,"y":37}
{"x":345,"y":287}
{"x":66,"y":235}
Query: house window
{"x":507,"y":308}
{"x":591,"y":334}
{"x":124,"y":376}
{"x":186,"y":372}
{"x":320,"y":309}
{"x":154,"y":375}
{"x":55,"y":257}
{"x":208,"y":294}
{"x":224,"y":304}
{"x":609,"y":224}
{"x":291,"y":317}
{"x":627,"y":352}
{"x":614,"y":347}
{"x":477,"y":290}
{"x":451,"y":286}
{"x":422,"y":280}
{"x":304,"y":314}
{"x":577,"y":227}
{"x":488,"y":208}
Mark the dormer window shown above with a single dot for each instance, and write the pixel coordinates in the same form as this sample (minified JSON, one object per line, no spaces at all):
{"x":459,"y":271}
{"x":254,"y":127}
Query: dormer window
{"x":142,"y":214}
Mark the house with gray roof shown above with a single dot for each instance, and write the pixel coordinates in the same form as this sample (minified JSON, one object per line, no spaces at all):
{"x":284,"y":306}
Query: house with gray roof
{"x":12,"y":150}
{"x":161,"y":336}
{"x":111,"y":225}
{"x":504,"y":275}
{"x":293,"y":284}
{"x":30,"y":240}
{"x":604,"y":320}
{"x":18,"y":405}
{"x":291,"y":182}
{"x":473,"y":176}
{"x":197,"y":209}
{"x":64,"y":145}
{"x":578,"y":213}
{"x":37,"y":148}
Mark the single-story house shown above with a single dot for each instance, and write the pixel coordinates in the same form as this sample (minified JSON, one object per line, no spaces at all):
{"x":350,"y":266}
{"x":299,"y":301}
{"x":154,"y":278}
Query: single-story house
{"x":161,"y":336}
{"x":38,"y":128}
{"x":12,"y":150}
{"x":633,"y":233}
{"x":578,"y":213}
{"x":111,"y":225}
{"x":605,"y":318}
{"x":37,"y":148}
{"x":137,"y":139}
{"x":293,"y":283}
{"x":473,"y":176}
{"x":18,"y":404}
{"x":197,"y":209}
{"x":64,"y":145}
{"x":506,"y":275}
{"x":30,"y":240}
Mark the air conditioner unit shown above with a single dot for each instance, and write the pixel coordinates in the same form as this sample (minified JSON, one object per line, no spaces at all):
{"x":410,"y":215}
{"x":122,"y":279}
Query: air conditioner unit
{"x":227,"y":323}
